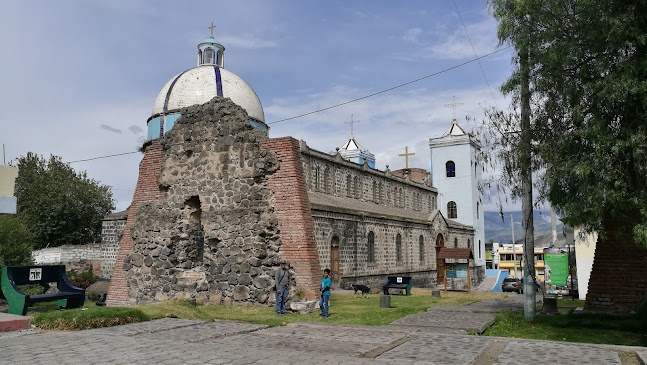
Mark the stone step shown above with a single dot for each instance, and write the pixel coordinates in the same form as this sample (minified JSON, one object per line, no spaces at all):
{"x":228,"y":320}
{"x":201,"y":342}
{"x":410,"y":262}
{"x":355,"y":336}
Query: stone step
{"x":12,"y":322}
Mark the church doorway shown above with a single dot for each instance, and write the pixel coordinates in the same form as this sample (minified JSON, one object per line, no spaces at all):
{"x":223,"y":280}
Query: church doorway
{"x":334,"y":262}
{"x":440,"y":263}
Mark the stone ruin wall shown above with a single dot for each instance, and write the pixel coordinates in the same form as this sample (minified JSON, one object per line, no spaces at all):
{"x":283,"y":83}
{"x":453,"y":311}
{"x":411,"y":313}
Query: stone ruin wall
{"x":213,"y":235}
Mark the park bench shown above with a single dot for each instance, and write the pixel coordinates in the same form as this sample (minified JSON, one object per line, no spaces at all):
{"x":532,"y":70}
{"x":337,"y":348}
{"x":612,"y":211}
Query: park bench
{"x":68,"y":296}
{"x":398,"y":282}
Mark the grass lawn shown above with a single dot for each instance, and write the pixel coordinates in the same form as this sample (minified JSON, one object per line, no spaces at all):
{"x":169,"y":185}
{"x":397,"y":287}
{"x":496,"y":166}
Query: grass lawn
{"x":587,"y":327}
{"x":345,"y":308}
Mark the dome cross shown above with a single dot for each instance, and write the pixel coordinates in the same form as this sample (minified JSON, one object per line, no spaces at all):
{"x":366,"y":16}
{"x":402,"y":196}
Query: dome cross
{"x":352,"y":122}
{"x":453,"y":105}
{"x":211,"y":28}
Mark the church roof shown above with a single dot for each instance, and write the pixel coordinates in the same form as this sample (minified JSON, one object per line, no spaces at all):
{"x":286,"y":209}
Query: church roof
{"x":200,"y":84}
{"x":454,"y":130}
{"x":352,"y":145}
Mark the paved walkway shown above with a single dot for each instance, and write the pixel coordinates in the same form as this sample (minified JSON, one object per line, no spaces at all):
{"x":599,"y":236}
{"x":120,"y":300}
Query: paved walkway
{"x":418,"y":339}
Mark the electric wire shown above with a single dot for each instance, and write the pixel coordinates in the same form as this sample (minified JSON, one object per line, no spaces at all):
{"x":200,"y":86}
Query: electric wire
{"x":475,"y":54}
{"x":395,"y":87}
{"x":346,"y":102}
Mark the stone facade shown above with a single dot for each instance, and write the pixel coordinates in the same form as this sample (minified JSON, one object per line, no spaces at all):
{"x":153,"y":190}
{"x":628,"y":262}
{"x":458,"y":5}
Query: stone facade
{"x":218,"y":204}
{"x":213,"y":234}
{"x":111,"y":229}
{"x":383,"y":223}
{"x":74,"y":257}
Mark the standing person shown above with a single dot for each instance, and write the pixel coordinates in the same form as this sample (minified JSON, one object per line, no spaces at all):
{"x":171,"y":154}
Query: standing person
{"x":282,"y":285}
{"x":324,"y":288}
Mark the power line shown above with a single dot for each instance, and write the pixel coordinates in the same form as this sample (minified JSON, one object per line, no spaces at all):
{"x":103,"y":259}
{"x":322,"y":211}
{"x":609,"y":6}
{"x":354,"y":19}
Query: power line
{"x":349,"y":101}
{"x":396,"y":87}
{"x":100,"y":157}
{"x":475,"y":54}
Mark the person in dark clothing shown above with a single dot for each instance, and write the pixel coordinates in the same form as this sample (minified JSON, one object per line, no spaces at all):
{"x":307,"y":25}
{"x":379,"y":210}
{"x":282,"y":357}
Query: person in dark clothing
{"x":282,"y":285}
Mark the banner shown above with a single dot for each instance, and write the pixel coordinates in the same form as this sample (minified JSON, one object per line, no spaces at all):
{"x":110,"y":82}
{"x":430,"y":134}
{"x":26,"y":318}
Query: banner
{"x":558,"y":265}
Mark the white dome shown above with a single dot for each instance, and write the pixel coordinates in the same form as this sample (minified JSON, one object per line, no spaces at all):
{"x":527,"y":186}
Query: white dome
{"x":200,"y":84}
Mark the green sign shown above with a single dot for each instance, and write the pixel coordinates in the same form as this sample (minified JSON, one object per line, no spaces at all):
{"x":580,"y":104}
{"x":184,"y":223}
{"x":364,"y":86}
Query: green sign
{"x":558,"y":264}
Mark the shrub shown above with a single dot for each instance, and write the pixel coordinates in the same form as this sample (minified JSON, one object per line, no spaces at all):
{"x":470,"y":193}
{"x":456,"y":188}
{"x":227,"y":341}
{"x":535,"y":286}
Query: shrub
{"x":15,"y":242}
{"x":86,"y":318}
{"x":93,"y":296}
{"x":82,"y":279}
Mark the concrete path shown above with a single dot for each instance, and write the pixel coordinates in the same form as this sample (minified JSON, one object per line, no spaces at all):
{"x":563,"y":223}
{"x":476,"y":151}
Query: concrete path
{"x":438,"y":336}
{"x":173,"y":341}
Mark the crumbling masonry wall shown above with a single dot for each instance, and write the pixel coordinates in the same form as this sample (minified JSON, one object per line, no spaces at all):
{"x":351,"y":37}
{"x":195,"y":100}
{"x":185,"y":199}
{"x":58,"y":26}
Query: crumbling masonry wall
{"x":213,"y":235}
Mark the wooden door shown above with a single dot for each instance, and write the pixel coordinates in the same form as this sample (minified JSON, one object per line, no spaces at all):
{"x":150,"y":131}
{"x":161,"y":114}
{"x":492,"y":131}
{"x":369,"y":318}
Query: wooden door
{"x":334,"y":262}
{"x":440,"y":263}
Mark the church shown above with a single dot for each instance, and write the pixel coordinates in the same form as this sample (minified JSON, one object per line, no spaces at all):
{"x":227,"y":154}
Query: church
{"x":218,"y":203}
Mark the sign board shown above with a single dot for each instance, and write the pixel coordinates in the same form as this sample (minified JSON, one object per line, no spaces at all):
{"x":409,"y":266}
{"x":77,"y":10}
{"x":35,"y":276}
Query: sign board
{"x":399,"y":280}
{"x":461,"y":270}
{"x":450,"y":270}
{"x":558,"y":264}
{"x":35,"y":274}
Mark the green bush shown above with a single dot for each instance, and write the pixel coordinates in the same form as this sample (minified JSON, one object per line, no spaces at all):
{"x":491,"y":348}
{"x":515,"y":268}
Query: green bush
{"x":82,"y":279}
{"x":88,"y":317}
{"x":15,"y":243}
{"x":93,"y":296}
{"x":33,"y":289}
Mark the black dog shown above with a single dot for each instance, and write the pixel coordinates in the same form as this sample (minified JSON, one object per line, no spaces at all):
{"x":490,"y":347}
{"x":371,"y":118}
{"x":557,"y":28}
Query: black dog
{"x":361,"y":288}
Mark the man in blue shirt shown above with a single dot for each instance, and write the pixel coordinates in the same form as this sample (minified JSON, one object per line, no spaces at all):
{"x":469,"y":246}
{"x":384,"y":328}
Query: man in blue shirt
{"x":325,"y":293}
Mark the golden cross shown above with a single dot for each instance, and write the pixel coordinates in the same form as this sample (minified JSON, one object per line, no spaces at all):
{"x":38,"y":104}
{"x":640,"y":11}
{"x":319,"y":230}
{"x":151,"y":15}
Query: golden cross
{"x":406,"y":155}
{"x":352,"y":122}
{"x":453,"y":105}
{"x":211,"y":27}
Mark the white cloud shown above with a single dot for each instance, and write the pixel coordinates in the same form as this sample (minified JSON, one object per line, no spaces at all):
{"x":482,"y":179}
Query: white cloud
{"x":412,"y":35}
{"x":248,"y":41}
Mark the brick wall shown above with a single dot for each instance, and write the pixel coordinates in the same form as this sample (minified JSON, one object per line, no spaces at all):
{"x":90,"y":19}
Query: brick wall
{"x":292,"y":207}
{"x":618,"y":282}
{"x":145,"y":191}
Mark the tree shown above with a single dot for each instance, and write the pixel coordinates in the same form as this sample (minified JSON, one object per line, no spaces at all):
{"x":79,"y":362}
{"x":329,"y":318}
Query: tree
{"x":587,"y":66}
{"x":514,"y":27}
{"x":15,"y":242}
{"x":59,"y":205}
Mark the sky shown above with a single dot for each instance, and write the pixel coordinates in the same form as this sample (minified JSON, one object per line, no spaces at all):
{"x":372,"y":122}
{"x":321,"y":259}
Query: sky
{"x":79,"y":78}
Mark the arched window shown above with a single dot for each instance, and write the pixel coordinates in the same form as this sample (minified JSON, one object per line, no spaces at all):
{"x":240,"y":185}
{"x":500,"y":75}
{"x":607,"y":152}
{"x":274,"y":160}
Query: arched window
{"x":477,"y":210}
{"x":451,"y":169}
{"x":455,"y":242}
{"x":209,"y":56}
{"x":452,"y":211}
{"x":375,"y":199}
{"x":218,"y":57}
{"x":468,"y":244}
{"x":349,"y":186}
{"x":433,"y":202}
{"x":479,"y":255}
{"x":326,"y":180}
{"x":398,"y":248}
{"x":421,"y":244}
{"x":395,"y":197}
{"x":371,"y":247}
{"x":315,"y":185}
{"x":380,"y":194}
{"x":358,"y":190}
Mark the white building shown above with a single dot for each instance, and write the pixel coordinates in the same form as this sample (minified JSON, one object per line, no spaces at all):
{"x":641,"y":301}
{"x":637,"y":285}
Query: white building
{"x":456,"y":173}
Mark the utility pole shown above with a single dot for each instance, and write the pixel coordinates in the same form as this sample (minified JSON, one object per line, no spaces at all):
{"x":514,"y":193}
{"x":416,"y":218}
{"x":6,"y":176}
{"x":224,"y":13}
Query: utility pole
{"x":514,"y":248}
{"x":525,"y":157}
{"x":553,"y":225}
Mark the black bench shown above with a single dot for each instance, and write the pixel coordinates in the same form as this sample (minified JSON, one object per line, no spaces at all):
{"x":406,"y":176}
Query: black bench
{"x":68,"y":296}
{"x":398,"y":282}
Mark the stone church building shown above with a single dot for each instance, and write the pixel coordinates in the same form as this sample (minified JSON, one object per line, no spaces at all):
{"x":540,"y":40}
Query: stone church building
{"x":218,"y":204}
